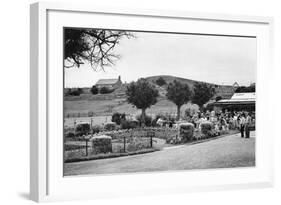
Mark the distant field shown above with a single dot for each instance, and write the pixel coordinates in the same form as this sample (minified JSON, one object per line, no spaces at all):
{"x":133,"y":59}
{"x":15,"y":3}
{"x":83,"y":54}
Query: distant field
{"x":103,"y":109}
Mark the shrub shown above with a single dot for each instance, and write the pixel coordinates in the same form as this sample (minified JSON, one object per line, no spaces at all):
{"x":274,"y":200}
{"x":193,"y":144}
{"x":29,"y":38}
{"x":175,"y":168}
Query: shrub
{"x":166,"y":117}
{"x":110,"y":126}
{"x":90,"y":114}
{"x":129,"y":124}
{"x":154,"y":123}
{"x":69,"y":135}
{"x":186,"y":131}
{"x":75,"y":93}
{"x":94,"y":90}
{"x":147,"y":120}
{"x":105,"y":90}
{"x":96,"y":129}
{"x":160,"y":81}
{"x":82,"y":129}
{"x":206,"y":128}
{"x":102,"y":144}
{"x":118,"y":117}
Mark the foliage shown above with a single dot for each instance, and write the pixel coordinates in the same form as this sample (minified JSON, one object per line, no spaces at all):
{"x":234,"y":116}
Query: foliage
{"x":110,"y":126}
{"x":129,"y":124}
{"x":94,"y":90}
{"x":96,"y":129}
{"x":69,"y":135}
{"x":206,"y":128}
{"x":147,"y":120}
{"x":160,"y":81}
{"x":168,"y":117}
{"x":186,"y":131}
{"x":93,"y":46}
{"x":102,"y":144}
{"x":105,"y":90}
{"x":244,"y":89}
{"x":90,"y":114}
{"x":74,"y":92}
{"x":202,"y":93}
{"x":82,"y":129}
{"x":142,"y":94}
{"x":179,"y":94}
{"x":118,"y":117}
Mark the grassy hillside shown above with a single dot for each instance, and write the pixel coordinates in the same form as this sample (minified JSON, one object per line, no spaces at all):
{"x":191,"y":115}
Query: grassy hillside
{"x":169,"y":79}
{"x":226,"y":91}
{"x":102,"y":106}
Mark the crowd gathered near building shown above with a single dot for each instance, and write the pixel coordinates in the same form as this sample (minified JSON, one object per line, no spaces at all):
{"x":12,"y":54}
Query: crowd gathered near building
{"x":244,"y":121}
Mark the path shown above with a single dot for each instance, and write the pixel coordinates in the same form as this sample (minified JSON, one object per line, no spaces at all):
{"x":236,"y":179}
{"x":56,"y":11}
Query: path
{"x":229,"y":151}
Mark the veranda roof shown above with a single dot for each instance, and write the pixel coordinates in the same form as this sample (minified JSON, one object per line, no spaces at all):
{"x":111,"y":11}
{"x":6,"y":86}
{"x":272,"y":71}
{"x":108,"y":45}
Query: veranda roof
{"x":239,"y":98}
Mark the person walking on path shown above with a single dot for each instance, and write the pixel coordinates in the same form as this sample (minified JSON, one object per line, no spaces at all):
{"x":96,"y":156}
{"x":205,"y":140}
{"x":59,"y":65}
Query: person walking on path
{"x":242,"y":121}
{"x":247,"y":125}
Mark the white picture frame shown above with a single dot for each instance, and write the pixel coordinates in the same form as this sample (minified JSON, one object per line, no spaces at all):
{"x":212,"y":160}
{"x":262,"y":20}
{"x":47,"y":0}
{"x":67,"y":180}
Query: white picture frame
{"x":46,"y":178}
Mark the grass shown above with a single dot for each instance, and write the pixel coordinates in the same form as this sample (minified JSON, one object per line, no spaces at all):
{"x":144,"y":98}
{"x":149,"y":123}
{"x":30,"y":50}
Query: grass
{"x":103,"y":109}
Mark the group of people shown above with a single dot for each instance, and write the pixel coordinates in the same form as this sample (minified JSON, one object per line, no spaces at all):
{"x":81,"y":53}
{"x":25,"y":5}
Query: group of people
{"x":223,"y":121}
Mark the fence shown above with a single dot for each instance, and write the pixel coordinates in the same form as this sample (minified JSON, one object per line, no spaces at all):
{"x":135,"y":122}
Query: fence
{"x":122,"y":142}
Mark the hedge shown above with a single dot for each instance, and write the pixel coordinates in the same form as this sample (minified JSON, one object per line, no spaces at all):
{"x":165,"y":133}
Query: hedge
{"x":206,"y":128}
{"x":110,"y":126}
{"x":186,"y":131}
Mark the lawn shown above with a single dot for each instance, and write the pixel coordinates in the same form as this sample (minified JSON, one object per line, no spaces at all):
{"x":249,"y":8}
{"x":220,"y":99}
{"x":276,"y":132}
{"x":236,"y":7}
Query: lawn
{"x":103,"y":109}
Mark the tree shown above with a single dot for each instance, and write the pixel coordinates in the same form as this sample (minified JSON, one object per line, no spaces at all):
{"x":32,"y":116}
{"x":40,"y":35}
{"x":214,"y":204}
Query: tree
{"x":142,"y":94}
{"x":245,"y":89}
{"x":160,"y":81}
{"x":94,"y":46}
{"x":179,"y":94}
{"x":94,"y":90}
{"x":202,"y":93}
{"x":74,"y":92}
{"x":118,"y":118}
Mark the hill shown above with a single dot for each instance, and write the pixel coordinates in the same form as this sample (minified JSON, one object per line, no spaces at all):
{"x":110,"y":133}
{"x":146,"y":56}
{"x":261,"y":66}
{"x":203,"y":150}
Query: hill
{"x":225,"y":91}
{"x":169,"y":79}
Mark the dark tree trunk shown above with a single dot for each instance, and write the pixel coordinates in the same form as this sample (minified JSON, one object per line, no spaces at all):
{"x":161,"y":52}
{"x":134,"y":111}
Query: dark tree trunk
{"x":178,"y":112}
{"x":143,"y":117}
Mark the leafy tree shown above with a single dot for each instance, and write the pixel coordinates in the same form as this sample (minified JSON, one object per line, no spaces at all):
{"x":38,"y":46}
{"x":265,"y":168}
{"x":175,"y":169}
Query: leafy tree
{"x":94,"y":90}
{"x":118,"y":118}
{"x":160,"y":81}
{"x":74,"y":92}
{"x":142,"y":94}
{"x":94,"y":46}
{"x":246,"y":89}
{"x":82,"y":129}
{"x":202,"y":93}
{"x":179,"y":94}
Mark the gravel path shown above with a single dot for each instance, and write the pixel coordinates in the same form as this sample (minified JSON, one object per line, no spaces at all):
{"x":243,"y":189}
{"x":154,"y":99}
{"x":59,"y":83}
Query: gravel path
{"x":225,"y":152}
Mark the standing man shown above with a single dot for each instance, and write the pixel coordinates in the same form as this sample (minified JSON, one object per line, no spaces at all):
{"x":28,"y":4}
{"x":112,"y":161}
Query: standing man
{"x":242,"y":124}
{"x":248,"y":121}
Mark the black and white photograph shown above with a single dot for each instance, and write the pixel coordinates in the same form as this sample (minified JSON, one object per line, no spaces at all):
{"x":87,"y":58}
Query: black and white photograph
{"x":149,"y":101}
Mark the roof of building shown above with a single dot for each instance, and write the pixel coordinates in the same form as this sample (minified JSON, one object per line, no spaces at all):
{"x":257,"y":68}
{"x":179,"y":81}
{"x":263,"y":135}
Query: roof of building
{"x":242,"y":98}
{"x":107,"y":81}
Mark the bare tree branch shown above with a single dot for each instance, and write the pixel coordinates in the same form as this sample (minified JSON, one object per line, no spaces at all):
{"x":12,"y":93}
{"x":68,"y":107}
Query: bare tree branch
{"x":93,"y":46}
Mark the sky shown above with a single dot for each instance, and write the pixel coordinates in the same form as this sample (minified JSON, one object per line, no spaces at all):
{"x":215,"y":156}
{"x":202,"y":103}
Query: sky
{"x":214,"y":59}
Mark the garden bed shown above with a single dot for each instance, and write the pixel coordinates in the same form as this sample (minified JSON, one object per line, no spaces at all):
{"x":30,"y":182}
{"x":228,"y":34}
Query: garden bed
{"x":109,"y":155}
